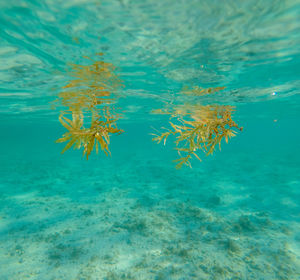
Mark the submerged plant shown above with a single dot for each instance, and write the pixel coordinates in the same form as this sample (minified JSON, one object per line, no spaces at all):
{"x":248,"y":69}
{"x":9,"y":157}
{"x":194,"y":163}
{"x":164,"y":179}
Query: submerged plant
{"x":98,"y":134}
{"x":198,"y":127}
{"x":88,"y":98}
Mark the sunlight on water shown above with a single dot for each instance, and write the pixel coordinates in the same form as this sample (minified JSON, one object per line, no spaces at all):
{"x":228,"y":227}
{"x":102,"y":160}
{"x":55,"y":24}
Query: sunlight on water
{"x":89,"y":88}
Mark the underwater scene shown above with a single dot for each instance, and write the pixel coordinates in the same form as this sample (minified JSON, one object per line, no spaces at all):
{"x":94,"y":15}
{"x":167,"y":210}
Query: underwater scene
{"x":149,"y":140}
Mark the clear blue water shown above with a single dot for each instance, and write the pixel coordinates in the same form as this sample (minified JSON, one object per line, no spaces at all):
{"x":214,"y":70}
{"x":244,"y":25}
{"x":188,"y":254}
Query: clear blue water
{"x":133,"y":215}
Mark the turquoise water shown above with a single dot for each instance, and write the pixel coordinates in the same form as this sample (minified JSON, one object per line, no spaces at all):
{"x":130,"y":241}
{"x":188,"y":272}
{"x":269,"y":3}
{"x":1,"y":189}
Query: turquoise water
{"x":132,"y":214}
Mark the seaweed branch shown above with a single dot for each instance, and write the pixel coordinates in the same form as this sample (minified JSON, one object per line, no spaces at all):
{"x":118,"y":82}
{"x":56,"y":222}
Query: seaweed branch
{"x":198,"y":128}
{"x":98,"y":134}
{"x":89,"y":97}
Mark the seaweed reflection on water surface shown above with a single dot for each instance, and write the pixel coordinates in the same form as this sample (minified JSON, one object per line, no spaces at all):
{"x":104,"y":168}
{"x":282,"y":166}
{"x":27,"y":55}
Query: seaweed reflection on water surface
{"x":89,"y":99}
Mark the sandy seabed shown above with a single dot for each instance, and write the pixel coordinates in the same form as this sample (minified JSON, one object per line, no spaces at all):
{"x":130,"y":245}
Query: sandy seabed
{"x":145,"y":220}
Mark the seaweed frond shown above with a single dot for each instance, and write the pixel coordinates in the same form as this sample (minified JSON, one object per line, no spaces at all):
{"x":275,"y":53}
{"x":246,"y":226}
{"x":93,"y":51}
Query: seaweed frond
{"x":198,"y":127}
{"x":98,"y":134}
{"x":89,"y":97}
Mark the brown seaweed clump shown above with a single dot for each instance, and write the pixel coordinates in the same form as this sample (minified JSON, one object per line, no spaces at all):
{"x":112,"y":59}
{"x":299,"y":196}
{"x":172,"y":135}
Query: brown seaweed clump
{"x":98,"y":134}
{"x":89,"y":99}
{"x":198,"y":127}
